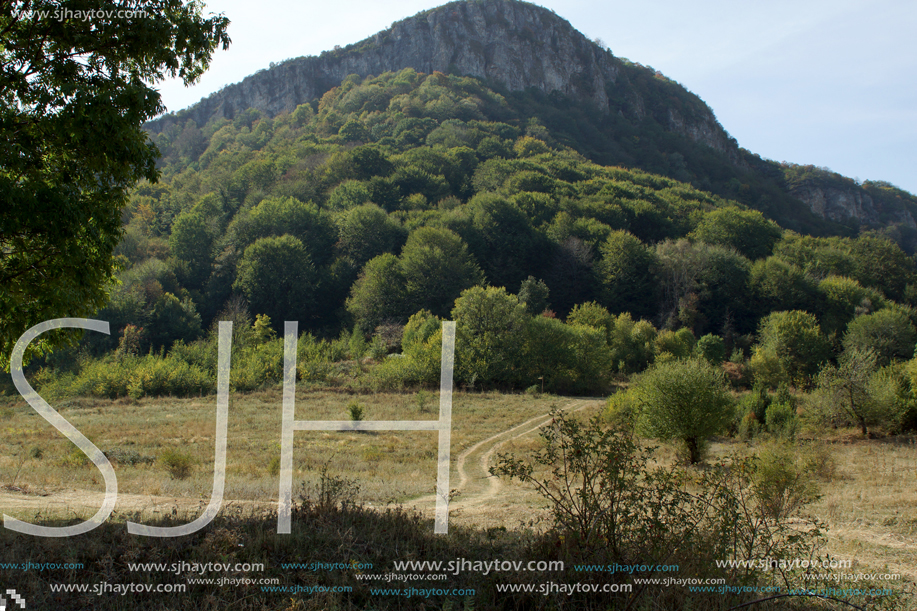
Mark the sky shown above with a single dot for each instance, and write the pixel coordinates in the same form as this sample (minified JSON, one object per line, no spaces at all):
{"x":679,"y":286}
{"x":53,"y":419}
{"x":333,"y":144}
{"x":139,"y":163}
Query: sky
{"x":831,"y":83}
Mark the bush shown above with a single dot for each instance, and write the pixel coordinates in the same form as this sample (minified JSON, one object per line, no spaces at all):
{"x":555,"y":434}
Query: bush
{"x":123,"y":456}
{"x":177,"y":464}
{"x":422,"y":400}
{"x":599,"y":486}
{"x":678,"y":344}
{"x":781,"y":420}
{"x":712,"y":348}
{"x":107,"y":378}
{"x":609,"y":505}
{"x":749,"y":426}
{"x":395,"y":373}
{"x":782,"y":480}
{"x":257,"y":366}
{"x":356,"y":411}
{"x":156,"y":376}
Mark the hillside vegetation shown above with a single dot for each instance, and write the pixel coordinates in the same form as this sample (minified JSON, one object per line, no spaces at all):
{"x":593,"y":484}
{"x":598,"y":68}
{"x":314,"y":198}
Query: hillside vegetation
{"x":408,"y":198}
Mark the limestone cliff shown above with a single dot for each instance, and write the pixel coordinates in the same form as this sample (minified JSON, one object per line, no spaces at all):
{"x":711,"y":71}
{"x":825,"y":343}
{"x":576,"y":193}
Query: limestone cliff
{"x":513,"y":44}
{"x":841,"y":199}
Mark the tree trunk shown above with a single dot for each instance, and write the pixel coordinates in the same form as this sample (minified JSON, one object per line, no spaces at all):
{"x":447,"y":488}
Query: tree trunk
{"x":693,"y":449}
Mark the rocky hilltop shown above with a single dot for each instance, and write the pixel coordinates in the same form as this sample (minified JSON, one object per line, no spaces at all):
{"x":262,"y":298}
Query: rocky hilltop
{"x":516,"y":46}
{"x":511,"y":44}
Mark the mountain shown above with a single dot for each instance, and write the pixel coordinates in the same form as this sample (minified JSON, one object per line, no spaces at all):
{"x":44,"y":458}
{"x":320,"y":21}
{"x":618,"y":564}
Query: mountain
{"x":612,"y":110}
{"x":515,"y":45}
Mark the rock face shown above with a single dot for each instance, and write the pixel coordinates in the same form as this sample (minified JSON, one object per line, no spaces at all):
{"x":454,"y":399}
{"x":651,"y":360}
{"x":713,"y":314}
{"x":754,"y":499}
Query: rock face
{"x":514,"y":44}
{"x":840,"y":204}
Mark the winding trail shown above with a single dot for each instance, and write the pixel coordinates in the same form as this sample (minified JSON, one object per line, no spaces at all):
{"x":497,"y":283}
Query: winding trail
{"x":476,"y":460}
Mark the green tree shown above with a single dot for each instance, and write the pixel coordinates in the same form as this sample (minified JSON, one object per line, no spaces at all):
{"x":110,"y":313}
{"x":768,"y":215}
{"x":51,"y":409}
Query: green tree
{"x":774,"y":285}
{"x":842,"y":299}
{"x":684,"y":399}
{"x":700,"y":282}
{"x":791,"y":347}
{"x":421,"y":327}
{"x":712,"y":348}
{"x":881,"y":264}
{"x":888,"y":332}
{"x":278,"y":278}
{"x":845,"y":395}
{"x":591,"y":314}
{"x":75,"y":95}
{"x":625,"y":275}
{"x":534,"y":294}
{"x":366,"y":232}
{"x":490,"y":327}
{"x":568,"y":358}
{"x":502,"y":239}
{"x":277,"y":216}
{"x":191,"y":243}
{"x":172,"y":319}
{"x":380,"y":293}
{"x":631,"y":343}
{"x":437,"y":267}
{"x":678,"y":344}
{"x":745,"y":230}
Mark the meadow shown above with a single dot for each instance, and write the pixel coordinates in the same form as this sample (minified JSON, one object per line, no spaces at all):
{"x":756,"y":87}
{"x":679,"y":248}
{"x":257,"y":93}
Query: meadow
{"x":162,"y":449}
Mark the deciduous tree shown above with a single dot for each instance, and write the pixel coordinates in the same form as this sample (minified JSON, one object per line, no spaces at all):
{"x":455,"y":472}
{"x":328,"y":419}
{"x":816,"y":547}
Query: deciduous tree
{"x":74,"y":94}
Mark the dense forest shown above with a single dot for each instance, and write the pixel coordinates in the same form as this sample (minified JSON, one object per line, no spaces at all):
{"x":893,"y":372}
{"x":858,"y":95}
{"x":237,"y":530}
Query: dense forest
{"x":400,"y":200}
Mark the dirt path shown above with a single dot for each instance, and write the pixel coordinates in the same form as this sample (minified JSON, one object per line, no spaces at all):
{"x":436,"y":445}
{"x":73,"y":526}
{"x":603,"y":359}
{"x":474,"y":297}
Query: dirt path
{"x":85,"y":501}
{"x":472,"y":467}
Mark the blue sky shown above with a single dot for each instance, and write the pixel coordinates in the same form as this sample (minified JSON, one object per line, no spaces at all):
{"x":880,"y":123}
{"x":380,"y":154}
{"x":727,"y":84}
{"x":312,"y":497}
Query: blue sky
{"x":826,"y":82}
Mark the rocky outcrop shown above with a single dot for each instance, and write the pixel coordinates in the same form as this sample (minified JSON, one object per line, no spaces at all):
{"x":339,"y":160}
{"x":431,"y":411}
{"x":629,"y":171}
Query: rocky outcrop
{"x":514,"y":44}
{"x":842,"y":203}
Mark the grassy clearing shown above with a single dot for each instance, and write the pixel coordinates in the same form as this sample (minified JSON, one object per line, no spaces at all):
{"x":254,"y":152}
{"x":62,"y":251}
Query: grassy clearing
{"x":388,"y":466}
{"x":868,"y":503}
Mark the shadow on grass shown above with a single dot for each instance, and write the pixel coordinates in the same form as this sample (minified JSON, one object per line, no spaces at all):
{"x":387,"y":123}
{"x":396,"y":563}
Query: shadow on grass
{"x":347,"y":540}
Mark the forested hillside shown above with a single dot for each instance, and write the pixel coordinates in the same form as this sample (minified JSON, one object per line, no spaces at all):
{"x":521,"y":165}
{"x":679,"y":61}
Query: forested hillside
{"x":392,"y":197}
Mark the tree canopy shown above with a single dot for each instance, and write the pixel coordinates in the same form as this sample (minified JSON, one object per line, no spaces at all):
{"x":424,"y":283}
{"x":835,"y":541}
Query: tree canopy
{"x":74,"y":94}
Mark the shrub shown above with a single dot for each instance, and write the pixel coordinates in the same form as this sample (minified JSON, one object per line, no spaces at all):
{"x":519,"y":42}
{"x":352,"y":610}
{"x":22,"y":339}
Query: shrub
{"x":422,"y":399}
{"x":273,"y":467}
{"x":392,"y":374}
{"x":781,"y":420}
{"x":107,"y":378}
{"x":608,"y":505}
{"x":76,"y":458}
{"x":156,"y":376}
{"x":332,"y":491}
{"x":356,"y":344}
{"x":712,"y":348}
{"x":596,"y":485}
{"x":130,"y":457}
{"x":749,"y":426}
{"x":177,"y":464}
{"x":678,"y":344}
{"x":356,"y":411}
{"x":257,"y":366}
{"x":782,"y":480}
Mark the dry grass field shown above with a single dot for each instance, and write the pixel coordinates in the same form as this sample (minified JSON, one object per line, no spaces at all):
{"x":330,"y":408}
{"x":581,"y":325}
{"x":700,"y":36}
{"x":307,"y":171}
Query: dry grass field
{"x":868,"y":501}
{"x":46,"y":471}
